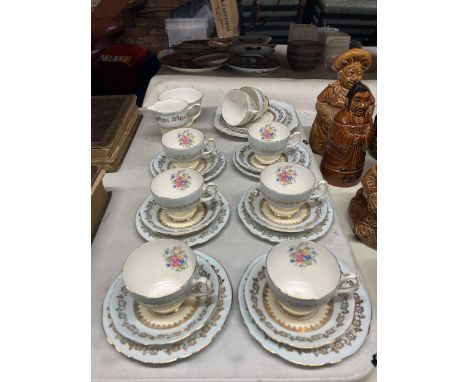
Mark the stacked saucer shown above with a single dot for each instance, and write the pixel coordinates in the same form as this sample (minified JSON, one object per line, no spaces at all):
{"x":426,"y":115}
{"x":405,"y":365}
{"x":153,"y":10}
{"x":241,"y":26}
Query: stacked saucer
{"x":288,"y":203}
{"x":277,"y":112}
{"x":210,"y":167}
{"x":187,"y":148}
{"x":178,"y":208}
{"x":333,"y":332}
{"x":139,"y":333}
{"x":312,"y":221}
{"x":245,"y":161}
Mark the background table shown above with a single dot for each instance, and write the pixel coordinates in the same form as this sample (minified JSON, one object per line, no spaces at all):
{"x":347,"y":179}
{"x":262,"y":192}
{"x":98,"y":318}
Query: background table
{"x":234,"y":355}
{"x":319,"y":72}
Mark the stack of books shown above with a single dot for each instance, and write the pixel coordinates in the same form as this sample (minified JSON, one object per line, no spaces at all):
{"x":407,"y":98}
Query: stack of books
{"x":114,"y":122}
{"x":99,"y":198}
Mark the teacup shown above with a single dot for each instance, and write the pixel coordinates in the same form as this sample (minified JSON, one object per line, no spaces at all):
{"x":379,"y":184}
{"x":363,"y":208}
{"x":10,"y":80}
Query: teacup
{"x":190,"y":95}
{"x":259,"y":98}
{"x":244,"y":105}
{"x":271,"y":140}
{"x":186,"y":146}
{"x":303,"y":276}
{"x":179,"y":192}
{"x":171,"y":114}
{"x":238,"y":108}
{"x":162,"y":273}
{"x":287,"y":186}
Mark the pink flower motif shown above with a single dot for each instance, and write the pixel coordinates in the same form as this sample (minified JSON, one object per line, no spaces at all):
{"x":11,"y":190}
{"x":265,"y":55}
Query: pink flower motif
{"x":174,"y":261}
{"x":300,"y":257}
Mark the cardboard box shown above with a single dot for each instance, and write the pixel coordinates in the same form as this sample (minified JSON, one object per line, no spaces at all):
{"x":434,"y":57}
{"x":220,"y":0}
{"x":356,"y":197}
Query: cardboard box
{"x":226,"y":16}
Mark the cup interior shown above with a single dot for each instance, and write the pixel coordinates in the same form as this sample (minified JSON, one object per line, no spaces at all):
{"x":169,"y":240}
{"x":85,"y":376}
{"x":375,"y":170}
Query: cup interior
{"x":234,"y":107}
{"x":269,"y":132}
{"x":176,"y":183}
{"x":287,"y":178}
{"x":169,"y":106}
{"x":189,"y":95}
{"x":303,"y":269}
{"x":158,"y":268}
{"x":182,"y":138}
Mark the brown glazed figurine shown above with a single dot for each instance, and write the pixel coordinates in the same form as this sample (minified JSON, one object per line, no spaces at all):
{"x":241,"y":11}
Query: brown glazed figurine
{"x":350,"y":66}
{"x":363,"y":209}
{"x":373,"y":145}
{"x":348,"y":139}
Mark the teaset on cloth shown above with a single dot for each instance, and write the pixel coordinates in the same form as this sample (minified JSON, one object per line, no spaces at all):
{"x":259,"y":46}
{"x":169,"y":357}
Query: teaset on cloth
{"x":298,"y":301}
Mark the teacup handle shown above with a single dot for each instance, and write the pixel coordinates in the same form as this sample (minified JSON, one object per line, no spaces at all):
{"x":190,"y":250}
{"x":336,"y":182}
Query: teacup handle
{"x":323,"y":192}
{"x":211,"y":147}
{"x":293,"y":141}
{"x":202,"y":281}
{"x":195,"y":108}
{"x":205,"y":189}
{"x":350,"y":279}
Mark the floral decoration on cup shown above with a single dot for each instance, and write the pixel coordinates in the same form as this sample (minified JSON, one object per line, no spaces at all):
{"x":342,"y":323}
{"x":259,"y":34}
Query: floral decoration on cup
{"x":181,"y":180}
{"x":176,"y":258}
{"x":286,"y":175}
{"x":185,"y":138}
{"x":267,"y":133}
{"x":302,"y":255}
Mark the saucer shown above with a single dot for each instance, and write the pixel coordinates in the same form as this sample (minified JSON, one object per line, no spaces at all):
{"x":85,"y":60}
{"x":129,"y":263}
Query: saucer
{"x":334,"y":352}
{"x":253,"y":64}
{"x":290,"y":117}
{"x":283,"y":112}
{"x":137,"y":323}
{"x":245,"y":157}
{"x":157,"y":219}
{"x":194,"y":238}
{"x":304,"y":160}
{"x":258,"y":230}
{"x":154,"y":354}
{"x":330,"y":322}
{"x":243,"y":170}
{"x":309,"y":215}
{"x":209,"y":167}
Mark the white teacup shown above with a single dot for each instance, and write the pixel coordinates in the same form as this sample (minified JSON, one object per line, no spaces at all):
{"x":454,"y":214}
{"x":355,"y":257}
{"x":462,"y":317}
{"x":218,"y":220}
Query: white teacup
{"x":259,"y":98}
{"x":171,"y":114}
{"x":186,"y":146}
{"x":303,"y":276}
{"x":238,"y":108}
{"x":271,"y":140}
{"x":190,"y":95}
{"x":287,"y":186}
{"x":179,"y":192}
{"x":162,"y":274}
{"x":244,"y":105}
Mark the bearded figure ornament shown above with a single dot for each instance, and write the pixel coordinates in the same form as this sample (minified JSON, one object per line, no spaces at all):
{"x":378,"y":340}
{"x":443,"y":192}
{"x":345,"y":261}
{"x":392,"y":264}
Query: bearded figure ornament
{"x":348,"y":139}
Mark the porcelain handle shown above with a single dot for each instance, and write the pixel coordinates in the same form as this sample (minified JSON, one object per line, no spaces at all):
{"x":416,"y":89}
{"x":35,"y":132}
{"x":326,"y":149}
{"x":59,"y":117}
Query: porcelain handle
{"x":350,"y":279}
{"x":202,"y":281}
{"x":205,"y":189}
{"x":208,"y":149}
{"x":195,"y":108}
{"x":323,"y":192}
{"x":293,"y":141}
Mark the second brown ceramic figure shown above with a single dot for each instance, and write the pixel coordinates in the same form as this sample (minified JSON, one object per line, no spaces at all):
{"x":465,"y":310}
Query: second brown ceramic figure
{"x":348,"y":139}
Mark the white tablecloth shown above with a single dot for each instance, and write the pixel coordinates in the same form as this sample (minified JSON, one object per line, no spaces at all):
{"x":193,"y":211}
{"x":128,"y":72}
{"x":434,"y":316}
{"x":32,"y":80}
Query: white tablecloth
{"x":234,"y":355}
